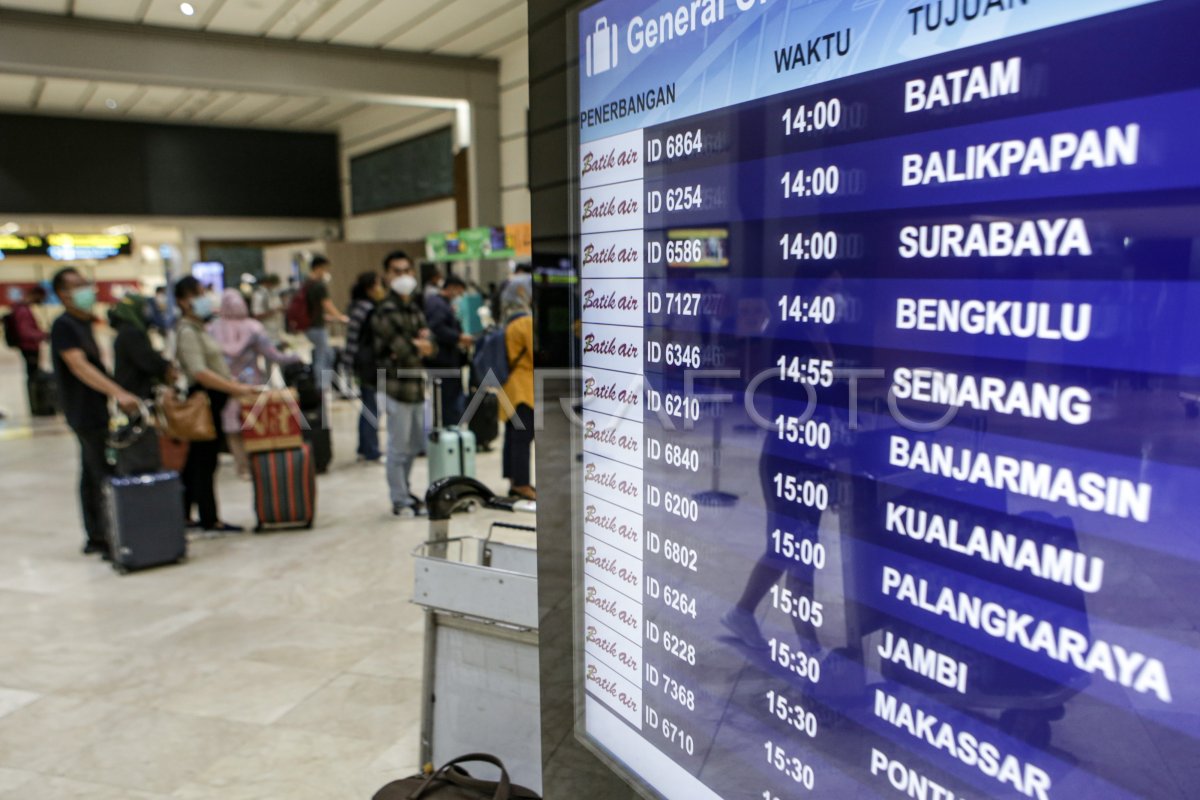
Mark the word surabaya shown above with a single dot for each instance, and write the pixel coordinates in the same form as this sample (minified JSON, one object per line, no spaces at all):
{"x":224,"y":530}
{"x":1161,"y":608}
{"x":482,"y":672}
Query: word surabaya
{"x":997,"y":239}
{"x":1090,"y":491}
{"x":1128,"y":668}
{"x":1060,"y":152}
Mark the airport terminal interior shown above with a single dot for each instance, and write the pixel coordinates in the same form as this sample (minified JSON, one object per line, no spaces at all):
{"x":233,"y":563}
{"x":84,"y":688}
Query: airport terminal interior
{"x":599,"y":399}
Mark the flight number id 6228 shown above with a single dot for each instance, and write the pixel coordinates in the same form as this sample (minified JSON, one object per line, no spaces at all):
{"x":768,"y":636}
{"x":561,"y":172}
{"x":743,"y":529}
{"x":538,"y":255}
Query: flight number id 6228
{"x":679,"y":648}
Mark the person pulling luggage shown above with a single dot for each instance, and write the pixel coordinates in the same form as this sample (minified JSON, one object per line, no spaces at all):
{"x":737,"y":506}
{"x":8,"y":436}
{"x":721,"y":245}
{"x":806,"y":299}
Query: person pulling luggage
{"x":84,"y":388}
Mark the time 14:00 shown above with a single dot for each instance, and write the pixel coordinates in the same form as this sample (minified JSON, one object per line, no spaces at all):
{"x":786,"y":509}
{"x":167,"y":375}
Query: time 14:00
{"x":811,"y":118}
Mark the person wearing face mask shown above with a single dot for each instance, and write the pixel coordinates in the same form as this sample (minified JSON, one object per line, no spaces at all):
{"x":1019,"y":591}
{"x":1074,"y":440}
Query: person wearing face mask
{"x":401,"y":342}
{"x":203,"y":363}
{"x":137,"y":366}
{"x":358,"y":358}
{"x":320,"y":310}
{"x":84,"y":389}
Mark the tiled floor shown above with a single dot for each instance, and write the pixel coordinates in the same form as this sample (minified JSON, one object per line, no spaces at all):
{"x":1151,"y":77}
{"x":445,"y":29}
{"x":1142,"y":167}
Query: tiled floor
{"x":276,"y":666}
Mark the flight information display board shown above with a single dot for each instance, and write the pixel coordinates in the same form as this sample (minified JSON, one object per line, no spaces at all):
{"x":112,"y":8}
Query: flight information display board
{"x":890,"y":377}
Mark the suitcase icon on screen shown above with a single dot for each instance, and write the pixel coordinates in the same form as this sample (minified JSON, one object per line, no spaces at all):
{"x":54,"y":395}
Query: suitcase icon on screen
{"x":602,"y":48}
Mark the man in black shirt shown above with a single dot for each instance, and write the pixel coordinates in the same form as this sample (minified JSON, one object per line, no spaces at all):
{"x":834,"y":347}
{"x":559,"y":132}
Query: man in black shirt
{"x":84,"y":388}
{"x":320,"y":309}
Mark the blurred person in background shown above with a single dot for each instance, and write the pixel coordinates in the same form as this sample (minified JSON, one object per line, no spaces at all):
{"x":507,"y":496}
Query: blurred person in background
{"x":245,"y":344}
{"x":84,"y":389}
{"x":28,"y":333}
{"x":446,"y":330}
{"x":266,"y":306}
{"x":358,"y":358}
{"x":320,"y":310}
{"x":401,"y":342}
{"x":203,"y":363}
{"x":137,"y":366}
{"x":518,"y":426}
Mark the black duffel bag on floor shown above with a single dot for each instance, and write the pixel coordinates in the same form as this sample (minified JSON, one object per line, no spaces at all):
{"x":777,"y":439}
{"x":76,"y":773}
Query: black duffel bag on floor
{"x":451,"y":782}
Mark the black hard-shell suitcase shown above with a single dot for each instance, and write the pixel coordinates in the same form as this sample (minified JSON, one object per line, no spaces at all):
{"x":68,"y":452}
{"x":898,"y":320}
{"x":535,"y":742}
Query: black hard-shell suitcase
{"x":485,"y":421}
{"x":285,"y":488}
{"x":320,"y":439}
{"x":43,"y":395}
{"x":146,"y":525}
{"x":303,"y":378}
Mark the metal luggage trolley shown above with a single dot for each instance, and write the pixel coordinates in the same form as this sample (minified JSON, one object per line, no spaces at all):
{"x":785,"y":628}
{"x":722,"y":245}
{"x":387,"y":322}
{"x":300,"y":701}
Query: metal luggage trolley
{"x":480,"y":673}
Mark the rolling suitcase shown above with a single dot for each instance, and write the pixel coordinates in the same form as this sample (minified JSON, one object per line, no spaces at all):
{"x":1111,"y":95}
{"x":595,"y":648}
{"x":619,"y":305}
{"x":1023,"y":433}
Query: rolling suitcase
{"x":485,"y":421}
{"x":303,"y":379}
{"x":146,"y":525}
{"x":285,"y":488}
{"x":451,"y":451}
{"x":320,"y":439}
{"x":43,"y":395}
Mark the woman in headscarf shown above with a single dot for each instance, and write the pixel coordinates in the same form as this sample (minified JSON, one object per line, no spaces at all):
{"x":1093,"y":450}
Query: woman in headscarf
{"x":137,"y":366}
{"x":518,"y":429}
{"x":243,"y":341}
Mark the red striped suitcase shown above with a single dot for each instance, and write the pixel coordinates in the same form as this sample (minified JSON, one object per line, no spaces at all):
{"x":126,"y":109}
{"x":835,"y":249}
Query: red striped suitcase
{"x":285,"y":488}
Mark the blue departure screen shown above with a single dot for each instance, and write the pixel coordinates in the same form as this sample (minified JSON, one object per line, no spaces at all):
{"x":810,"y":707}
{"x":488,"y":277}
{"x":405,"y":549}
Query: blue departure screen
{"x":890,"y":379}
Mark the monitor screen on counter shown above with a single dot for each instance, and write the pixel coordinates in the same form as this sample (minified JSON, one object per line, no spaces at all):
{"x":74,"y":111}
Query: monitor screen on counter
{"x":890,"y":380}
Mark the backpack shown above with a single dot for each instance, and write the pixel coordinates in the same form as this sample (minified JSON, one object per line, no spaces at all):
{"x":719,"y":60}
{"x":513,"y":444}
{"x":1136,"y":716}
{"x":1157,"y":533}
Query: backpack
{"x":12,"y":337}
{"x":298,"y":318}
{"x":364,"y":356}
{"x":491,"y":353}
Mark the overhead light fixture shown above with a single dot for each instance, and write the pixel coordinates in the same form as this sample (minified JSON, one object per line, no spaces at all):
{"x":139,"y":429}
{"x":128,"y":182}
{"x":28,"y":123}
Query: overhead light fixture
{"x":9,"y":228}
{"x":187,"y":8}
{"x":110,"y":104}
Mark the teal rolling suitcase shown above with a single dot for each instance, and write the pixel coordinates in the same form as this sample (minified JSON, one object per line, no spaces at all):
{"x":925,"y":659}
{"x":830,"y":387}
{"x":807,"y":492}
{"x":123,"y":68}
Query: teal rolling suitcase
{"x":450,"y":451}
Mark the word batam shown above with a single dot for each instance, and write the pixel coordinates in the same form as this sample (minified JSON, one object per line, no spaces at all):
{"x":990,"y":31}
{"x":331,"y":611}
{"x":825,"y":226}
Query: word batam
{"x":998,"y":79}
{"x":1090,"y":491}
{"x":1044,"y":560}
{"x":1060,"y":152}
{"x":987,"y":757}
{"x":1128,"y":668}
{"x":997,"y":239}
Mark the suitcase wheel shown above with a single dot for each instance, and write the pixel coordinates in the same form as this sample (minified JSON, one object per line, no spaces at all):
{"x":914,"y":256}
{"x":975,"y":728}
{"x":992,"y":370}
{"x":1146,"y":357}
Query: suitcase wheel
{"x":120,"y":569}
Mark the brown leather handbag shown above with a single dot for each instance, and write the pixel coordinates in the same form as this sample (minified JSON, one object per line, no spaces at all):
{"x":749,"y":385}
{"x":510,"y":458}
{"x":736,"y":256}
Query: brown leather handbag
{"x":451,"y":782}
{"x":188,"y":420}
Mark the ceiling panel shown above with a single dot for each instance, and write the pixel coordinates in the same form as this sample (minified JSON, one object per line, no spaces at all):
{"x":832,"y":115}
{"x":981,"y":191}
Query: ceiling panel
{"x":379,"y":23}
{"x":337,"y":15}
{"x":245,"y":16}
{"x":44,"y":6}
{"x":16,"y":91}
{"x":219,"y":103}
{"x":480,"y":38}
{"x":247,"y":108}
{"x":327,"y":114}
{"x":112,"y":98}
{"x":166,"y":12}
{"x":296,"y":16}
{"x":290,"y":109}
{"x":63,"y":94}
{"x":123,"y":10}
{"x":157,"y":102}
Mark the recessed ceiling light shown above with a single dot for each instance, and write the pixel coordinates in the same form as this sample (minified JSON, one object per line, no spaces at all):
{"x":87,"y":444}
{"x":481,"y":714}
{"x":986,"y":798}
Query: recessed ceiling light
{"x":110,"y":104}
{"x":187,"y":8}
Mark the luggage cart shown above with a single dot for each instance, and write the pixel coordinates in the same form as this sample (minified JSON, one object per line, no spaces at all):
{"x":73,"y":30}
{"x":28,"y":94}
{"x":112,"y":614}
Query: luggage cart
{"x":480,"y":688}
